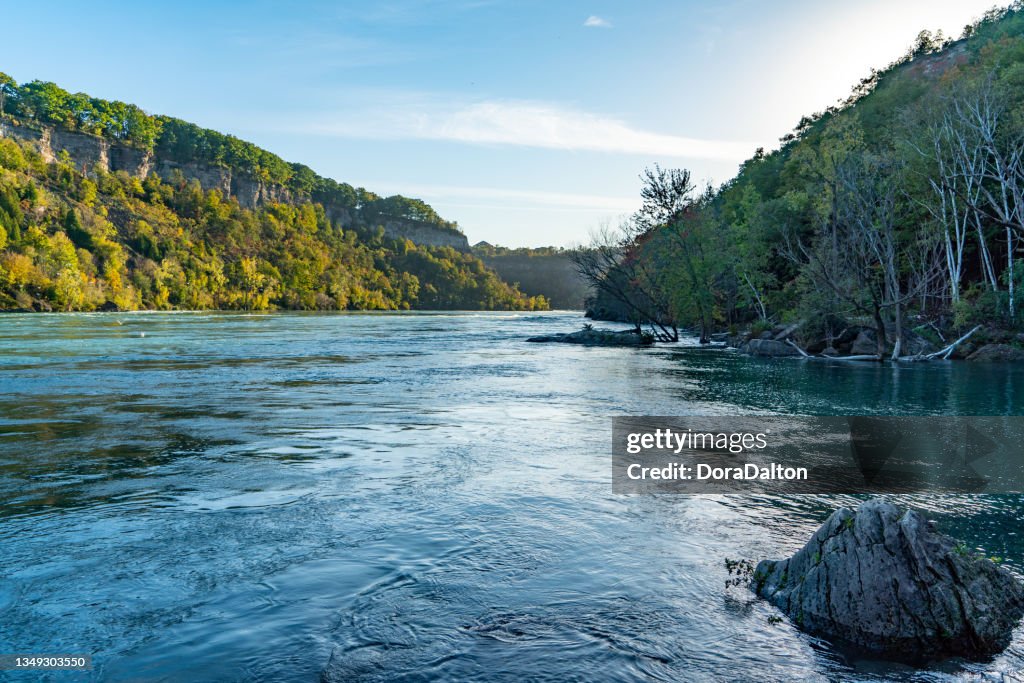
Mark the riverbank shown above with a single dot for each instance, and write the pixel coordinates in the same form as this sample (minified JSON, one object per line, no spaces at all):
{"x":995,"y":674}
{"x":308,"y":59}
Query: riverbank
{"x":858,"y":342}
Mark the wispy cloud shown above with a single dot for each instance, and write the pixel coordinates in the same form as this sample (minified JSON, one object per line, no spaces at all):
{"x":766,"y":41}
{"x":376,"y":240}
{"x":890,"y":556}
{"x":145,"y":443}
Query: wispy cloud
{"x":521,"y":124}
{"x":594,"y":21}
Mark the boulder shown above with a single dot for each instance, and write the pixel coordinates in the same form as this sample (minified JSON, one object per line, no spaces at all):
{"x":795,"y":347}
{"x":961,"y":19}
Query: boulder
{"x":866,"y":344}
{"x":786,"y":332}
{"x":815,"y":346}
{"x":769,"y":348}
{"x":913,"y":343}
{"x":996,"y":353}
{"x":883,"y":580}
{"x":592,"y":337}
{"x":846,"y":336}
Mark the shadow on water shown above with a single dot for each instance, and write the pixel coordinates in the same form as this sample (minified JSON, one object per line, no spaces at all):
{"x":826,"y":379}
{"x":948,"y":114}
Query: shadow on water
{"x":795,"y":386}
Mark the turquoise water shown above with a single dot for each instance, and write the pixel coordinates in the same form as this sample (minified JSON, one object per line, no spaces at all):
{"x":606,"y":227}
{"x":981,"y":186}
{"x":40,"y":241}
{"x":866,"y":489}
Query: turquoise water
{"x":196,"y":497}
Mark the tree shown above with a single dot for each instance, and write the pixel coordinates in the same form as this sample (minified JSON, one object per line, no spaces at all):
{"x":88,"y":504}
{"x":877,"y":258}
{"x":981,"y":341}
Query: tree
{"x":615,"y":266}
{"x":693,"y":255}
{"x":955,"y":180}
{"x":860,"y":251}
{"x":666,"y":193}
{"x":992,"y":158}
{"x":8,"y":87}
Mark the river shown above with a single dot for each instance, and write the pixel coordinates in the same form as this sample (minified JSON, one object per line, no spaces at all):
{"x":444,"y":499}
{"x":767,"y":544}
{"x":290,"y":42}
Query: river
{"x":222,"y":497}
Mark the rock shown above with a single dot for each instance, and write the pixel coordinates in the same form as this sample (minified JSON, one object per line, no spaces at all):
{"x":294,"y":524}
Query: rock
{"x":964,"y":351}
{"x":591,"y":337}
{"x":766,"y":335}
{"x":995,"y":335}
{"x":786,"y":332}
{"x":815,"y":346}
{"x":882,"y":580}
{"x":108,"y":307}
{"x":866,"y":344}
{"x":996,"y":353}
{"x":913,"y":343}
{"x":769,"y":348}
{"x":830,"y":351}
{"x":846,"y":337}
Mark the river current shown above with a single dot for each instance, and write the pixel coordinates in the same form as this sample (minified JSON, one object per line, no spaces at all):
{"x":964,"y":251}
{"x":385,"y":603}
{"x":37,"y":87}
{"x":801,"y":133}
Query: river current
{"x":420,"y":496}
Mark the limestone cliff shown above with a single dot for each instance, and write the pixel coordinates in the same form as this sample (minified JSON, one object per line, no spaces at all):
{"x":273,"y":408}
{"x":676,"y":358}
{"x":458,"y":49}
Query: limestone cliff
{"x":87,"y":152}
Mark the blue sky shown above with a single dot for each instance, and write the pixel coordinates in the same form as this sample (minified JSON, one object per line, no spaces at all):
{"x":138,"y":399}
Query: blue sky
{"x":526,"y":121}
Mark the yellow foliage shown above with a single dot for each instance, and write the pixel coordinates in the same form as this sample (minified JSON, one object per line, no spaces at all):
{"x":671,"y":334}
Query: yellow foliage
{"x":18,"y":269}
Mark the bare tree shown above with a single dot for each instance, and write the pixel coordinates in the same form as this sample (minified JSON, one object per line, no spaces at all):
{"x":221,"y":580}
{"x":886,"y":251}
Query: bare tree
{"x":977,"y":116}
{"x":955,"y":182}
{"x":965,"y":183}
{"x":613,"y":266}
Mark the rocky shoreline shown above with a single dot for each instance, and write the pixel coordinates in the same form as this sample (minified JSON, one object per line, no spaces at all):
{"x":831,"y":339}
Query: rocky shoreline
{"x":982,"y":345}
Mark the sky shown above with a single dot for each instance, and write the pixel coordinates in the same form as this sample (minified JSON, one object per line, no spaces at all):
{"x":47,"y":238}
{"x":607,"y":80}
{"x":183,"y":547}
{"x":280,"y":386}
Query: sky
{"x":526,"y":121}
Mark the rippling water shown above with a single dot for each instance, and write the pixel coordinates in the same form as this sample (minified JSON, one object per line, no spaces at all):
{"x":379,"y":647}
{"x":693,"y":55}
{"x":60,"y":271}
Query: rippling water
{"x":196,"y":497}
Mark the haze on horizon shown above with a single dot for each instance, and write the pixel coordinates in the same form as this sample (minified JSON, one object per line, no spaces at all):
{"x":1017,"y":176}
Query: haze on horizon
{"x":527,"y":122}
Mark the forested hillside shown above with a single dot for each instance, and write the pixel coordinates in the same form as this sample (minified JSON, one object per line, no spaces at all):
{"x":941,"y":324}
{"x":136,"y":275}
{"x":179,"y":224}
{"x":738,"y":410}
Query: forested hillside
{"x":546,"y":271}
{"x":901,"y":208}
{"x":81,"y":238}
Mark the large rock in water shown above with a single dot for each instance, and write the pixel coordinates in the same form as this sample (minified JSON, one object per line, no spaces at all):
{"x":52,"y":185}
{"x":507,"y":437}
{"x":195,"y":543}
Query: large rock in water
{"x":883,"y":580}
{"x":592,"y":337}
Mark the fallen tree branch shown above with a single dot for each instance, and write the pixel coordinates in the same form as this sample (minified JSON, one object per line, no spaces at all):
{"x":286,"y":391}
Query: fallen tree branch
{"x":802,"y":352}
{"x":832,"y":357}
{"x":945,"y":353}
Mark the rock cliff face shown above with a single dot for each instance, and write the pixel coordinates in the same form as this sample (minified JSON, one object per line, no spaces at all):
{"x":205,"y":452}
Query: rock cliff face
{"x":88,"y":151}
{"x":883,"y":580}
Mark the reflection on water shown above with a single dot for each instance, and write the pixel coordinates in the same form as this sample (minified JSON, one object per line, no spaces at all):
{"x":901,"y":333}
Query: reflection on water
{"x":235,"y":497}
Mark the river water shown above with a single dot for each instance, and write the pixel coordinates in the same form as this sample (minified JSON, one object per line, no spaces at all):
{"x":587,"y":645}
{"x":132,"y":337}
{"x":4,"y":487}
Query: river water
{"x":217,"y":497}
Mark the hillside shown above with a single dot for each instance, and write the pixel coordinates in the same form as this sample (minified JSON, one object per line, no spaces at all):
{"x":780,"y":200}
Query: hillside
{"x":901,"y":207}
{"x":545,"y":271}
{"x":104,"y":206}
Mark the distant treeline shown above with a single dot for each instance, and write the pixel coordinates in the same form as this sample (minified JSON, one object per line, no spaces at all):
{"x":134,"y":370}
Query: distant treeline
{"x":542,"y":271}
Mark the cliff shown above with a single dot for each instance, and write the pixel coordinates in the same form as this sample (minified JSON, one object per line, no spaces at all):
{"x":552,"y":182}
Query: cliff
{"x":87,"y":151}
